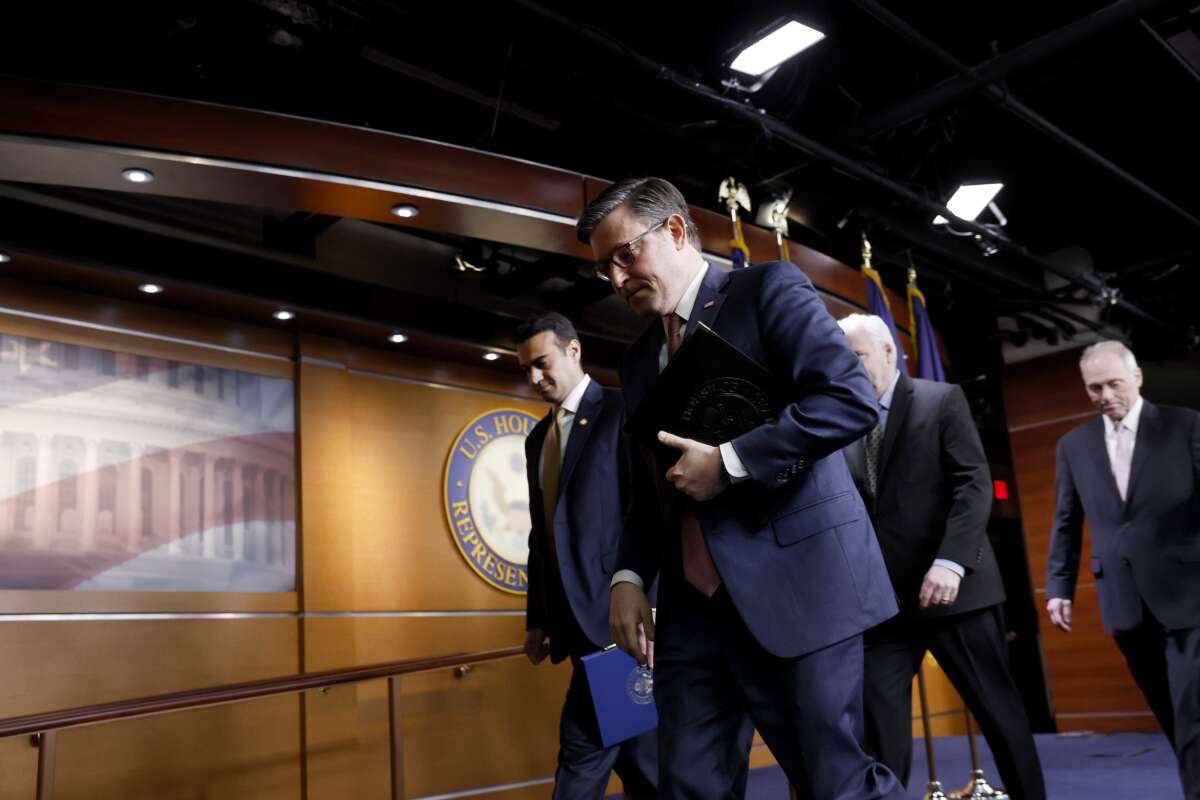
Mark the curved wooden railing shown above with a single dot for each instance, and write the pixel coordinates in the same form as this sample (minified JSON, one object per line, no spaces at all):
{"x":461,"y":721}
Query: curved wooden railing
{"x":45,"y":726}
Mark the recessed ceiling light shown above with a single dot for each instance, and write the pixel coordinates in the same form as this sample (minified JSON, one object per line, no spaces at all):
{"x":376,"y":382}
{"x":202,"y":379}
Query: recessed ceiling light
{"x":776,"y":47}
{"x":491,"y":356}
{"x":5,"y":257}
{"x":137,"y":175}
{"x":970,"y":200}
{"x":150,"y":288}
{"x":405,"y":210}
{"x":398,"y":338}
{"x":283,"y":314}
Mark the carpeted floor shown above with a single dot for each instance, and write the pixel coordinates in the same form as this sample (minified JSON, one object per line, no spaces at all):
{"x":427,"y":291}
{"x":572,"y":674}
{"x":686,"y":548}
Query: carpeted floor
{"x":1114,"y":766}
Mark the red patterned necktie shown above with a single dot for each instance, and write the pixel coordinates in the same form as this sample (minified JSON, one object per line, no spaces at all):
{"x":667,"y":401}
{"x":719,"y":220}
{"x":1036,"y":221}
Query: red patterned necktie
{"x":698,"y":566}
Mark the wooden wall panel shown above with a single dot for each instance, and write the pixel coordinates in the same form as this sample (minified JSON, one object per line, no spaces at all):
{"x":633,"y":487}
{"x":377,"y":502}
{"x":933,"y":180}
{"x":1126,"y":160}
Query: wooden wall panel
{"x":49,"y":665}
{"x":496,"y":725}
{"x":375,"y":531}
{"x":18,"y":768}
{"x":250,"y":749}
{"x":1044,"y":399}
{"x":141,"y":317}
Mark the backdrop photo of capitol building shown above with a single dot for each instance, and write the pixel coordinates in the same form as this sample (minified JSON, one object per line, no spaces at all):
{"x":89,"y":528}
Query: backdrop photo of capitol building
{"x":127,"y":472}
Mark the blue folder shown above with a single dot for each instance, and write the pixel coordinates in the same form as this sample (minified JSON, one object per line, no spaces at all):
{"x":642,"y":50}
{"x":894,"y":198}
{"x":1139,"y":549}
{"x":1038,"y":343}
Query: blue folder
{"x":622,"y":693}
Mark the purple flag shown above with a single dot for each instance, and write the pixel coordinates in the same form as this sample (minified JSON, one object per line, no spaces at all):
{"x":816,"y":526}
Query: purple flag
{"x":877,"y":305}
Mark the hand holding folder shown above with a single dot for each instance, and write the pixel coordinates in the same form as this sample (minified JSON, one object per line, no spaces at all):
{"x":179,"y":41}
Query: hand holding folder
{"x":622,"y":693}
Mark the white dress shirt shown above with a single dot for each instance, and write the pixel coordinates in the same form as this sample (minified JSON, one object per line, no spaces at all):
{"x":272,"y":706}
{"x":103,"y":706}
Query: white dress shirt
{"x":565,"y":420}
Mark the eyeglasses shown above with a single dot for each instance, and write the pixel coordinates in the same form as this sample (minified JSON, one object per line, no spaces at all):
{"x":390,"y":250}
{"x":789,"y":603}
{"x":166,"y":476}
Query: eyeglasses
{"x":623,"y":256}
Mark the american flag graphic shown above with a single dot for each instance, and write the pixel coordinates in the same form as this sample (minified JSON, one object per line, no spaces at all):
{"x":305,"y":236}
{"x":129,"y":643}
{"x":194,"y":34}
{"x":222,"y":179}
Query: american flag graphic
{"x":126,"y":472}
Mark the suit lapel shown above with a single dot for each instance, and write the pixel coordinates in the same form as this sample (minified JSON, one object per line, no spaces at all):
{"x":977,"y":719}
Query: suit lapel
{"x":533,"y":459}
{"x":1098,"y":455}
{"x":1143,"y":443}
{"x":901,"y":400}
{"x":590,"y":408}
{"x":709,"y":300}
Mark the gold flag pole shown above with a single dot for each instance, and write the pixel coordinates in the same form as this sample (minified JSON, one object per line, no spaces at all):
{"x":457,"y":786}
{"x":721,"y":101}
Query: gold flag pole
{"x":934,"y":790}
{"x":777,"y":218}
{"x":978,"y":787}
{"x":734,"y":194}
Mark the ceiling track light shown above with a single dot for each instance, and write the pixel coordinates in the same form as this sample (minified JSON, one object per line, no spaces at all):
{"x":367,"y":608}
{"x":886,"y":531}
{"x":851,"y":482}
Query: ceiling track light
{"x":150,"y":288}
{"x":772,"y":49}
{"x":283,"y":315}
{"x":5,"y":257}
{"x":397,"y":338}
{"x":969,"y":201}
{"x":405,"y":210}
{"x":137,"y":175}
{"x":491,"y":356}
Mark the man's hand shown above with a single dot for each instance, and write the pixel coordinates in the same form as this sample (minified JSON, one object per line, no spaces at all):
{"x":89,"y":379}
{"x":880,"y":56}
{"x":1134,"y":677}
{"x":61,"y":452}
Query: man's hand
{"x":1060,"y":612}
{"x":697,"y":473}
{"x":535,"y":645}
{"x":631,"y":623}
{"x":940,"y":587}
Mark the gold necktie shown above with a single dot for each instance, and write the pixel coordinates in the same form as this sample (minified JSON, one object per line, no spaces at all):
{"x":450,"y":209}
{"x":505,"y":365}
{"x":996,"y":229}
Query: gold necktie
{"x":551,"y":465}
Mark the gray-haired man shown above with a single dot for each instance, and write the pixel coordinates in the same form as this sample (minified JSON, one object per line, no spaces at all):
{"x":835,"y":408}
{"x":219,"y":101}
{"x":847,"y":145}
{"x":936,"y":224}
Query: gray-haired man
{"x":1134,"y":473}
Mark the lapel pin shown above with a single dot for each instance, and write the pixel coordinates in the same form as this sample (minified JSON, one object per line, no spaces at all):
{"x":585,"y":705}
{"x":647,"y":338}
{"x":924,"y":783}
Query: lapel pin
{"x":710,"y":304}
{"x":583,"y":421}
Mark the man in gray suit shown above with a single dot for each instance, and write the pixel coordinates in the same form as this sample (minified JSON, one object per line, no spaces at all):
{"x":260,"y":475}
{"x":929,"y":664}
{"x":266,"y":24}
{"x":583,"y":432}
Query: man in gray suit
{"x":1134,"y":473}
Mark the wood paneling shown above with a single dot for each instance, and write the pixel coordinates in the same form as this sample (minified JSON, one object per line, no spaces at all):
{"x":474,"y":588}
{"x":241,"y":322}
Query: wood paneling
{"x":1044,"y":399}
{"x":249,"y":749}
{"x":161,"y":123}
{"x":1045,"y":389}
{"x":93,"y":310}
{"x":64,"y":602}
{"x":496,"y":725}
{"x":18,"y":768}
{"x":374,"y":527}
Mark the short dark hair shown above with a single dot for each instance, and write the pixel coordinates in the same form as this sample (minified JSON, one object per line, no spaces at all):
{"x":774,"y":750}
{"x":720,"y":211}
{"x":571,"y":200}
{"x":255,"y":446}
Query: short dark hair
{"x":651,"y":200}
{"x":564,"y":330}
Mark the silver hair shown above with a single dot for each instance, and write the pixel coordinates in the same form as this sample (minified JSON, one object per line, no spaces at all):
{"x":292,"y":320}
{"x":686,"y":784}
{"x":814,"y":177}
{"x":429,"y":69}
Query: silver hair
{"x":874,"y":327}
{"x":1109,"y":346}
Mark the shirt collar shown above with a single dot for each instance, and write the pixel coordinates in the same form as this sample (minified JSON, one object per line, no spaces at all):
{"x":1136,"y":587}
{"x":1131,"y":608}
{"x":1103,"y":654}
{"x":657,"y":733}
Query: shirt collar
{"x":885,"y":402}
{"x":1130,"y":421}
{"x":575,"y":397}
{"x":688,"y":301}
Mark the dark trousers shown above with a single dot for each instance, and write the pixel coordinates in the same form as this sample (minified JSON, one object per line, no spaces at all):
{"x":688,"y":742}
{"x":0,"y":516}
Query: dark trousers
{"x":584,"y":764}
{"x":713,"y":684}
{"x":971,"y":650}
{"x":1166,"y":666}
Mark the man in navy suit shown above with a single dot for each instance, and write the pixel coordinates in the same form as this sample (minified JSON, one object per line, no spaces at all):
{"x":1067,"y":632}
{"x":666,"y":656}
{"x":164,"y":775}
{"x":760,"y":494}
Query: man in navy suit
{"x":770,"y":571}
{"x":578,"y":478}
{"x":1134,"y":474}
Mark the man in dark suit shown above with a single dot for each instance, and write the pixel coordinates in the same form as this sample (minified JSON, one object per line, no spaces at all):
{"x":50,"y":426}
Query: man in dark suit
{"x":924,"y":479}
{"x":770,"y":571}
{"x":578,"y":479}
{"x":1134,"y":473}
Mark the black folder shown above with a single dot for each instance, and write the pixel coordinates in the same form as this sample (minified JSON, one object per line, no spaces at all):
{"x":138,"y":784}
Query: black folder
{"x":710,"y":391}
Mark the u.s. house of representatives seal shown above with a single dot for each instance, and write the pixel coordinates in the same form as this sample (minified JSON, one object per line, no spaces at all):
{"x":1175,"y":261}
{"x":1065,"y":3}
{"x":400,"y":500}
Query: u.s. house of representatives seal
{"x":640,"y":686}
{"x":487,"y":497}
{"x":725,"y":408}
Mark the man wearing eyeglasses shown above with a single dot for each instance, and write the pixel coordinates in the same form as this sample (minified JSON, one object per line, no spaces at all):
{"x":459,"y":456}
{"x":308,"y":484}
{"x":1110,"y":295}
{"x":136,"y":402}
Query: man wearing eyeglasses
{"x":770,"y":571}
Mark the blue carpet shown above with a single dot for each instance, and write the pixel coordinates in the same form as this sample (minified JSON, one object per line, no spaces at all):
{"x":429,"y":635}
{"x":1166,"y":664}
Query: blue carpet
{"x":1114,"y":766}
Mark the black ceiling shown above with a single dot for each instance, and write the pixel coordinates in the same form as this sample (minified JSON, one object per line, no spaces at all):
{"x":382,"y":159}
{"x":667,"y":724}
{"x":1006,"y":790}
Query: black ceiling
{"x":600,"y":88}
